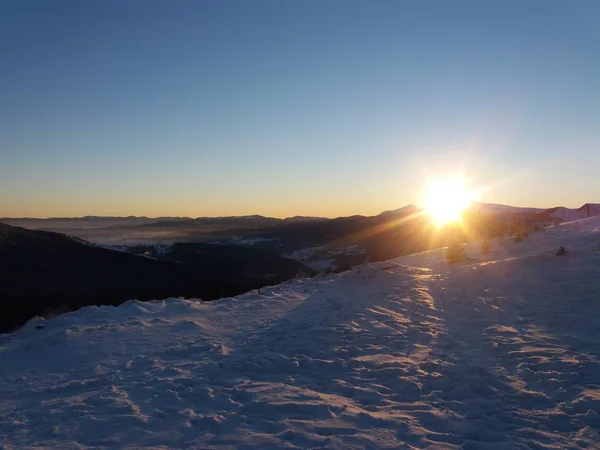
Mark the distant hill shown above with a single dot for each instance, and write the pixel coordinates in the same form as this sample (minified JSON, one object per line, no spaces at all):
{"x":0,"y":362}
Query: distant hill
{"x":408,"y":209}
{"x":87,"y":222}
{"x":502,"y":209}
{"x":561,"y":214}
{"x":303,"y":219}
{"x":590,"y":209}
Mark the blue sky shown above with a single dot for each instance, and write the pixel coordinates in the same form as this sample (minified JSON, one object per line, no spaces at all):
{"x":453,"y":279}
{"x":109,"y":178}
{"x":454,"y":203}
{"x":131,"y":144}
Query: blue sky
{"x":294,"y":107}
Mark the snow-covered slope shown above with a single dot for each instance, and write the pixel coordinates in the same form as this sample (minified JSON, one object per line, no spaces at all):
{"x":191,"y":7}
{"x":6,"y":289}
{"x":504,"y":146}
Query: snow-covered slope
{"x":499,"y":352}
{"x":590,"y":209}
{"x":564,"y":214}
{"x":502,"y":209}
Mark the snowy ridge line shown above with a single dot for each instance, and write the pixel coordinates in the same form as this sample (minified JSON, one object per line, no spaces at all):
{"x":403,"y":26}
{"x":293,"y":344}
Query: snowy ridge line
{"x":501,"y":351}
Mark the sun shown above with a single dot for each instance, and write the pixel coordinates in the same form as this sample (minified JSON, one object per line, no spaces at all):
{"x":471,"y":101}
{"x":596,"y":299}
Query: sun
{"x":446,"y":199}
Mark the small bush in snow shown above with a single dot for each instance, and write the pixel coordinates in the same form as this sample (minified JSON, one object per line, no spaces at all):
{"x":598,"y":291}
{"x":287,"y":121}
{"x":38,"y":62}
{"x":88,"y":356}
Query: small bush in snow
{"x":455,"y":253}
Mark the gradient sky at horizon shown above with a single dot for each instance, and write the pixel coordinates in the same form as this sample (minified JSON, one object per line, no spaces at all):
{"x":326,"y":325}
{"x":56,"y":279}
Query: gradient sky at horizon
{"x":282,"y":108}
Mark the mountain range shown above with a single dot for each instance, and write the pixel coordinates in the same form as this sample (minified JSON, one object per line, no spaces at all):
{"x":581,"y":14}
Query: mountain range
{"x":257,"y":221}
{"x":60,"y":264}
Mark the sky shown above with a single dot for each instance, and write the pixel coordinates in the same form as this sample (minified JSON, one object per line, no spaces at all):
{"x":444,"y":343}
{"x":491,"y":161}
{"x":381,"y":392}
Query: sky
{"x":283,"y":108}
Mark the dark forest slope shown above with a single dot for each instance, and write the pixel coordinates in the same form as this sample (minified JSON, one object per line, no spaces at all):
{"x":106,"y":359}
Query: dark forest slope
{"x":41,"y":272}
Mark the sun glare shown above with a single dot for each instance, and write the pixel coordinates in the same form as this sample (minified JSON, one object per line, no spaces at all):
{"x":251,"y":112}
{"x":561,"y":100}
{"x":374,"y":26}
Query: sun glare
{"x":447,"y":199}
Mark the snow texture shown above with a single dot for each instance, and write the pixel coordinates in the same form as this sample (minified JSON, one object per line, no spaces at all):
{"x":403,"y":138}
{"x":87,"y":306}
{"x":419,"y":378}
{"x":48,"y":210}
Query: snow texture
{"x":498,"y":352}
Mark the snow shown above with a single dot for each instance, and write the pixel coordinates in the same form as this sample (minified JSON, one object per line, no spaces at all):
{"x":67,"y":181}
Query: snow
{"x":502,"y":209}
{"x":590,"y":209}
{"x":567,"y":215}
{"x":562,"y":214}
{"x":497,"y":352}
{"x":250,"y":241}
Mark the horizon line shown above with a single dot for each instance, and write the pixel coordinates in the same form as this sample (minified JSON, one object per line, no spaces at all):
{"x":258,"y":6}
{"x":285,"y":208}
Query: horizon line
{"x":92,"y":216}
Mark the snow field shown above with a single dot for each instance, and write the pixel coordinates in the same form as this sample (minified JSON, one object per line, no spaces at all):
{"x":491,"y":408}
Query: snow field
{"x":500,"y":352}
